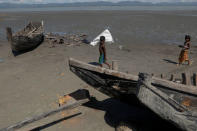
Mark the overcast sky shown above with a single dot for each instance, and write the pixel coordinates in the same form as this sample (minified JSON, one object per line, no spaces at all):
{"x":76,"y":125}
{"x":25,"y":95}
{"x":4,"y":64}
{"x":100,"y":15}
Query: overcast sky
{"x":64,"y":1}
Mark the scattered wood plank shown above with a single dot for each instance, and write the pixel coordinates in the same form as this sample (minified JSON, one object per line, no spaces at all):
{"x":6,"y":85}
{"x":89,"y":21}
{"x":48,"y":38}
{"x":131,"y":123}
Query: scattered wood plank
{"x":44,"y":115}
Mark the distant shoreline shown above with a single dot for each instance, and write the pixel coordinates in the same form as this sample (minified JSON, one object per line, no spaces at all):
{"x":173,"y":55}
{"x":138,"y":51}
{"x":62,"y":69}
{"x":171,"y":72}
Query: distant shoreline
{"x":96,"y":3}
{"x":102,"y":8}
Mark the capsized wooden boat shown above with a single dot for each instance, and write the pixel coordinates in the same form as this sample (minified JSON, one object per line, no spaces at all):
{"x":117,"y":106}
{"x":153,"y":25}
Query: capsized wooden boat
{"x":28,"y":38}
{"x":176,"y":103}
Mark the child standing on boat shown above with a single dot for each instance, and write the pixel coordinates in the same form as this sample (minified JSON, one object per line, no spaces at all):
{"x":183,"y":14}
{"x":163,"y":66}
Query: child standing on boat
{"x":102,"y":51}
{"x":184,"y":52}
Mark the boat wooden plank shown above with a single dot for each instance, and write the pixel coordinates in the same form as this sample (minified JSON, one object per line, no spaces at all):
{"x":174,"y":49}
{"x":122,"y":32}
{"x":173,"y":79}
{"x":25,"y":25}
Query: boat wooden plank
{"x":83,"y":65}
{"x":175,"y":86}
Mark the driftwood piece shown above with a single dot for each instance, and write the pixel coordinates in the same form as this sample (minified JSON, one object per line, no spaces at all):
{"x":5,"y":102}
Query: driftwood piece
{"x":67,"y":39}
{"x":44,"y":115}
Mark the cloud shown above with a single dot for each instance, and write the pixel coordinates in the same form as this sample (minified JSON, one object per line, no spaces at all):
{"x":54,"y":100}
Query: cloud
{"x":22,"y":1}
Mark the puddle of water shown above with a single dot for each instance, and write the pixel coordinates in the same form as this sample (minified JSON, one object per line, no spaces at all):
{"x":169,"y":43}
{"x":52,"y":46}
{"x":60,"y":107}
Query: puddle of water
{"x":1,"y":60}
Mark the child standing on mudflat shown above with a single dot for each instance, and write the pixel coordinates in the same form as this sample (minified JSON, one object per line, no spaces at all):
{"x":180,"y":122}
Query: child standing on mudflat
{"x":102,"y":51}
{"x":184,"y":52}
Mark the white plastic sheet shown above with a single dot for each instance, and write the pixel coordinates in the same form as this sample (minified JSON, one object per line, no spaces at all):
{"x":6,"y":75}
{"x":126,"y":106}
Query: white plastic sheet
{"x":108,"y":38}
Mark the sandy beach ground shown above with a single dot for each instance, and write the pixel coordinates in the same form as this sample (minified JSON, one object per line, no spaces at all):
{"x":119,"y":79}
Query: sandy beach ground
{"x":31,"y":83}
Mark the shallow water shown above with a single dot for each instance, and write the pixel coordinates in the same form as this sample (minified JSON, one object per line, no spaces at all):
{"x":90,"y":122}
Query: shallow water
{"x":127,"y":27}
{"x":108,"y":8}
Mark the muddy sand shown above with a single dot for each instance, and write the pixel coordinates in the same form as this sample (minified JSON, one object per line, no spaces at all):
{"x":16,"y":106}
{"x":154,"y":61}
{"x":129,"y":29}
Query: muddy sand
{"x":31,"y":83}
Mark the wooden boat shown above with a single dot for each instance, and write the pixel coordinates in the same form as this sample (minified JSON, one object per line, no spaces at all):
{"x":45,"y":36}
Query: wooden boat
{"x":178,"y":107}
{"x":173,"y":102}
{"x":110,"y":82}
{"x":26,"y":39}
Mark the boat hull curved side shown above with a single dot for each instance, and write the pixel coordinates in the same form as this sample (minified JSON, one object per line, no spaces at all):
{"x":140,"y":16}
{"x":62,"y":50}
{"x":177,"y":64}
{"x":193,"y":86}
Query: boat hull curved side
{"x":22,"y":43}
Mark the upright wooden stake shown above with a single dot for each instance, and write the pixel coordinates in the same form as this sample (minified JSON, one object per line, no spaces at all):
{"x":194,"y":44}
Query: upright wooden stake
{"x":186,"y":78}
{"x":162,"y":76}
{"x":194,"y":79}
{"x":115,"y":65}
{"x":172,"y":77}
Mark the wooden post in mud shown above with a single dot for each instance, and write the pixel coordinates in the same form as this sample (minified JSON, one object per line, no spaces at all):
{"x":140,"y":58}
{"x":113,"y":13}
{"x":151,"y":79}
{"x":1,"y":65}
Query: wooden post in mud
{"x":161,"y":76}
{"x":115,"y":65}
{"x":9,"y":33}
{"x":194,"y":79}
{"x":186,"y":79}
{"x":172,"y":77}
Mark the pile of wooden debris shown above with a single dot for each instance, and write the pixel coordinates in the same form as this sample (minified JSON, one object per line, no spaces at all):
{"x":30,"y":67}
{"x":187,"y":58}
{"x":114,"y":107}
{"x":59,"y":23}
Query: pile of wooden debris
{"x":66,"y":39}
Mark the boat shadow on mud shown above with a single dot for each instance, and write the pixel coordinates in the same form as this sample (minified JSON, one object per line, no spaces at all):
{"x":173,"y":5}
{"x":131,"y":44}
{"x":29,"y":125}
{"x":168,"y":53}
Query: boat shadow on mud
{"x":170,"y":61}
{"x":116,"y":111}
{"x":138,"y":116}
{"x":42,"y":127}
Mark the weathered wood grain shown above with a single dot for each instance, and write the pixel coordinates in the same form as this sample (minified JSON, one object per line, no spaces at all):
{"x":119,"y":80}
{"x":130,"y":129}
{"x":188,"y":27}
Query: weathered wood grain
{"x":164,"y":104}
